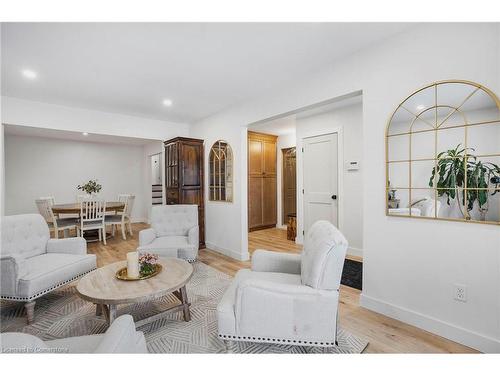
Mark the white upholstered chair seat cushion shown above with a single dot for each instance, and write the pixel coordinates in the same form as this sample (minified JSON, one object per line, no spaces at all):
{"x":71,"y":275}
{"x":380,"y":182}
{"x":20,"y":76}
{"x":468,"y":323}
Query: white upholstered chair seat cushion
{"x":171,"y":246}
{"x":97,"y":224}
{"x":48,"y":270}
{"x":113,"y":218}
{"x":274,"y":261}
{"x":67,"y":222}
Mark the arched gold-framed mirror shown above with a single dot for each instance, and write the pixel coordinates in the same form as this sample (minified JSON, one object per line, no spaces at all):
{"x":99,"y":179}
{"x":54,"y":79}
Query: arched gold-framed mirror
{"x":220,"y":165}
{"x":443,"y":154}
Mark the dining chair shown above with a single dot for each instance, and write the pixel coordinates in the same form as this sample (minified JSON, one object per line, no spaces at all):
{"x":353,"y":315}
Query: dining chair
{"x":92,"y":215}
{"x":123,"y":217}
{"x":122,"y":198}
{"x":55,"y":223}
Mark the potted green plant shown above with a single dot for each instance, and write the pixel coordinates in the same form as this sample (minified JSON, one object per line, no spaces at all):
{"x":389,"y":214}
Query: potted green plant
{"x":455,"y":167}
{"x":90,"y":188}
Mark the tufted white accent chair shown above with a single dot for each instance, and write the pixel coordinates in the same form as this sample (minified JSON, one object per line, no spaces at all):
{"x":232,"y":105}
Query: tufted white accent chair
{"x":32,"y":264}
{"x":285,"y":298}
{"x":174,"y":232}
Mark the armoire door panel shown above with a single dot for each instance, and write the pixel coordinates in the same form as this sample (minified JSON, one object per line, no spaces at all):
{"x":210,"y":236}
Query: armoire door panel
{"x":255,"y":201}
{"x":269,"y":157}
{"x":191,"y":196}
{"x":269,"y":201}
{"x":190,"y":165}
{"x":184,"y":176}
{"x":255,"y":164}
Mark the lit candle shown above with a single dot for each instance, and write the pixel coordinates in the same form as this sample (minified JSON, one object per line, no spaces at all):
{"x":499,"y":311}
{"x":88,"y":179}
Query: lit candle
{"x":133,"y":264}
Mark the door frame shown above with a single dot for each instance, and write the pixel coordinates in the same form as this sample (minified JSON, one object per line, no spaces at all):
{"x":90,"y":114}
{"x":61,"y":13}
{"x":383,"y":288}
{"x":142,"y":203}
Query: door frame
{"x":283,"y":219}
{"x":340,"y":179}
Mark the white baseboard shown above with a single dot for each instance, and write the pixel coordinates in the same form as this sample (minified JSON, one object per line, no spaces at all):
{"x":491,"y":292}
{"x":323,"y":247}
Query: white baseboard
{"x":139,"y":220}
{"x":230,"y":253}
{"x":355,"y":252}
{"x":452,"y":332}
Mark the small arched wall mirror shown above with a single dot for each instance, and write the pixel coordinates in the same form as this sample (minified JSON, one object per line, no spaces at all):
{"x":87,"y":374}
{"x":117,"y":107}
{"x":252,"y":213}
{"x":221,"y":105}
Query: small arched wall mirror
{"x":221,"y":172}
{"x":443,"y":154}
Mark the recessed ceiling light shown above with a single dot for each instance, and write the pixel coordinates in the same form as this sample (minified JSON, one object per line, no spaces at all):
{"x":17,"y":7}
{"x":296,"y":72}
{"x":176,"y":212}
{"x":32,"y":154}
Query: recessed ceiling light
{"x":30,"y":74}
{"x":85,"y":134}
{"x":420,"y":107}
{"x":167,"y":102}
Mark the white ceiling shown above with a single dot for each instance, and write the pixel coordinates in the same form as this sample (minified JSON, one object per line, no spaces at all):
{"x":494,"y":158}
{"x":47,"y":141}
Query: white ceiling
{"x":29,"y":131}
{"x":203,"y":67}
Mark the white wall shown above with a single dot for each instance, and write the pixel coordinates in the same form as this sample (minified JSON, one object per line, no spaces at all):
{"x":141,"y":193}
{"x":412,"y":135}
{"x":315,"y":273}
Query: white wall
{"x":410,"y":266}
{"x":37,"y":166}
{"x":283,"y":141}
{"x":349,"y":120}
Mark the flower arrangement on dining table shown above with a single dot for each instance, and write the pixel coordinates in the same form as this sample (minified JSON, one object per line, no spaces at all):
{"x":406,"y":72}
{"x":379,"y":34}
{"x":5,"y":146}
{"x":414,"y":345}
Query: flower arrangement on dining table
{"x":147,"y":264}
{"x":91,"y":187}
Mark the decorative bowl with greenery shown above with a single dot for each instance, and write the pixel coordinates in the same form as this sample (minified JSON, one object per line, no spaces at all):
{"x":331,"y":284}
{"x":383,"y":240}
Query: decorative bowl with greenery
{"x":147,"y":264}
{"x":451,"y":173}
{"x":91,"y":187}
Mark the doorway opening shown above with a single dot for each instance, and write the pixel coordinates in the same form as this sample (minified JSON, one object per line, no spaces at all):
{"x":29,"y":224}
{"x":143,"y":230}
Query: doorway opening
{"x":312,"y":150}
{"x":156,"y":184}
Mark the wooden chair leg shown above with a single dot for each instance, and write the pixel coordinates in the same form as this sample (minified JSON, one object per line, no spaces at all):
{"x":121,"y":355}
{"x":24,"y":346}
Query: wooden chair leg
{"x":104,"y":235}
{"x":130,"y":227}
{"x":30,"y":311}
{"x":56,"y":233}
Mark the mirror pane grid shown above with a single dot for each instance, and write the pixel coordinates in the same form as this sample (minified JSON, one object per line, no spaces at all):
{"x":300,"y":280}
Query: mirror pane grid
{"x":453,"y":146}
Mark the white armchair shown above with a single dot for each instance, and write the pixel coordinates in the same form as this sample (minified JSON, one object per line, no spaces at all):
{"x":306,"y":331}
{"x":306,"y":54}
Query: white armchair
{"x":288,"y":298}
{"x":174,"y":232}
{"x":32,"y":264}
{"x":121,"y":337}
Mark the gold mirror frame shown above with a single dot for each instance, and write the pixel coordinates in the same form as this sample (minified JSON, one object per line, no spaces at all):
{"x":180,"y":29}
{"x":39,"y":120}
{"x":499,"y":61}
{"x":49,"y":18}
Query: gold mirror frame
{"x":436,"y":128}
{"x":220,"y":167}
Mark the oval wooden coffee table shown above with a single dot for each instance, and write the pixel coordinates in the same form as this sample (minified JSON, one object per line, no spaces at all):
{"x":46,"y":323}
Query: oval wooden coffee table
{"x":106,"y":291}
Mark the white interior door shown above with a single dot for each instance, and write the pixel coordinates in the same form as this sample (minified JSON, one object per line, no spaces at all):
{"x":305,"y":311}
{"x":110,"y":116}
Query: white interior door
{"x":320,"y":179}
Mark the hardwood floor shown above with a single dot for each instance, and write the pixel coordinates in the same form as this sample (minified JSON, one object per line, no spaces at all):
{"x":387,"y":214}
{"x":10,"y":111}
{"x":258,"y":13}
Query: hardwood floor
{"x":385,"y":335}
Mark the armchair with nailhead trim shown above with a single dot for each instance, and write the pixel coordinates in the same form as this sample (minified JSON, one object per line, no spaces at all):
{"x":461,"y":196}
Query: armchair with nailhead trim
{"x":174,"y":232}
{"x":285,"y":298}
{"x":32,"y":264}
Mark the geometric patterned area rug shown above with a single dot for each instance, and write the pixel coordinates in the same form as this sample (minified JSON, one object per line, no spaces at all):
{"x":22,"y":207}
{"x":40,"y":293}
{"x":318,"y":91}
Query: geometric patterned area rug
{"x":62,"y":313}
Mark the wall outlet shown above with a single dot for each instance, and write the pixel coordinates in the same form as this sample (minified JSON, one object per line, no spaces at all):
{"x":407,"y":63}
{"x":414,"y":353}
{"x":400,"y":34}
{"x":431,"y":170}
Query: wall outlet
{"x":460,"y":292}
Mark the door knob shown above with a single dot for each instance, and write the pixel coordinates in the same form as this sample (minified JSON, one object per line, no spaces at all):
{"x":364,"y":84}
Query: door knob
{"x":334,"y":197}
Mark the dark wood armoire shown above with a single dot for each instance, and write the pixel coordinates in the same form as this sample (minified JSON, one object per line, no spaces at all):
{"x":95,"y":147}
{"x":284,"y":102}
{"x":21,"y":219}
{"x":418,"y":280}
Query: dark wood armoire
{"x":262,"y":198}
{"x":184,"y":176}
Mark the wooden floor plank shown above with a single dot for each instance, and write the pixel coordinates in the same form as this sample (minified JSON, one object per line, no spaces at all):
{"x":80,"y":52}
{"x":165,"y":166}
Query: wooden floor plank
{"x":385,"y":335}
